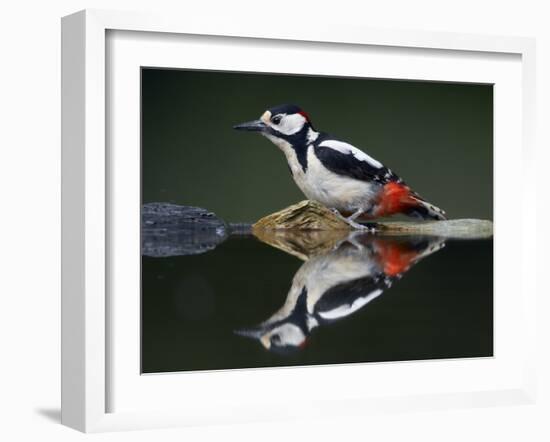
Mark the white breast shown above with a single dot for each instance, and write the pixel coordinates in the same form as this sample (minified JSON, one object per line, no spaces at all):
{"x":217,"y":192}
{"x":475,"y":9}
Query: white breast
{"x":322,"y":272}
{"x":334,"y":191}
{"x":320,"y":184}
{"x":292,"y":160}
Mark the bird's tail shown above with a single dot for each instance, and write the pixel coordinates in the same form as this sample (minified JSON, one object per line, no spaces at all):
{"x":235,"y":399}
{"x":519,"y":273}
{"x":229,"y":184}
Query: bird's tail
{"x":420,"y":208}
{"x":399,"y":198}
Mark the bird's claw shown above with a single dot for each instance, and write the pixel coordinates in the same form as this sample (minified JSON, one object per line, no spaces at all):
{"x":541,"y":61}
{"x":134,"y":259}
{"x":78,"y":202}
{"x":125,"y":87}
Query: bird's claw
{"x":370,"y":228}
{"x":356,"y":226}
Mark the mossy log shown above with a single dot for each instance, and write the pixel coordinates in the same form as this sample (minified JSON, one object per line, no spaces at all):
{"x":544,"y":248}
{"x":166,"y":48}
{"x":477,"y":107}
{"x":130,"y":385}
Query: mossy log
{"x":305,"y":215}
{"x":312,"y":216}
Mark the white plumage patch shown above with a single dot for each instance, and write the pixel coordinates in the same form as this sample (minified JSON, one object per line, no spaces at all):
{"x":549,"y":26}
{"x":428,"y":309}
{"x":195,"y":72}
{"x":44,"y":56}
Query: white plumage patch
{"x":345,"y":310}
{"x":347,"y":148}
{"x":289,"y":124}
{"x":285,"y":146}
{"x":312,"y":135}
{"x":332,"y":190}
{"x":289,"y":334}
{"x":320,"y":184}
{"x":322,"y":272}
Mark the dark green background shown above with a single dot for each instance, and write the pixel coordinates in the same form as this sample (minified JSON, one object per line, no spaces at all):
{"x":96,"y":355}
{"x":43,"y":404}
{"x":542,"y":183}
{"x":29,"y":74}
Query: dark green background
{"x":437,"y":136}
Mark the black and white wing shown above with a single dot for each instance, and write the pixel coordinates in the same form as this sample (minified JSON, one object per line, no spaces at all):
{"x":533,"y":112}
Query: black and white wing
{"x":348,"y":297}
{"x":345,"y":159}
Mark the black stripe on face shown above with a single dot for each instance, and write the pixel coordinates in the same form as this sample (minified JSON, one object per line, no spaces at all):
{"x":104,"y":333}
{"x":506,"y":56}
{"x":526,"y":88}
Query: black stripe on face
{"x":298,"y":142}
{"x":301,"y":154}
{"x":298,"y":315}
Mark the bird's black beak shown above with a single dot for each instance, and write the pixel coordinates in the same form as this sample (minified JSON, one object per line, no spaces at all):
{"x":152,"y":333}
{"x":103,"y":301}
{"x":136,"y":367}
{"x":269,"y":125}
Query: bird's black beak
{"x":253,"y":126}
{"x":251,"y":332}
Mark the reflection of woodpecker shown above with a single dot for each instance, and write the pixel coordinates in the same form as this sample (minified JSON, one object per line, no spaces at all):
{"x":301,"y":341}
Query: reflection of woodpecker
{"x":334,"y":285}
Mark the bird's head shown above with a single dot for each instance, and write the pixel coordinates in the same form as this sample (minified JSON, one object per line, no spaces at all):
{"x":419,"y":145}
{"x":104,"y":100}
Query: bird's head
{"x":284,"y":337}
{"x":284,"y":334}
{"x":286,"y":122}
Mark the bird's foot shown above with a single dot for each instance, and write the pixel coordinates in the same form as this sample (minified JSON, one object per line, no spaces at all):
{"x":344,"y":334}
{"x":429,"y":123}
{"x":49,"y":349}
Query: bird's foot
{"x":354,"y":238}
{"x":355,"y":225}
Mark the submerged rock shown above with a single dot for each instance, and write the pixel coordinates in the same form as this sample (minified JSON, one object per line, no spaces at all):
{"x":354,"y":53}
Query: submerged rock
{"x":172,"y":230}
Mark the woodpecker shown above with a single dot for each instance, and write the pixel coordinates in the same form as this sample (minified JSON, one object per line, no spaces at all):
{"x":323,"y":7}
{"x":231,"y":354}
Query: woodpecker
{"x":337,"y":174}
{"x":334,"y":285}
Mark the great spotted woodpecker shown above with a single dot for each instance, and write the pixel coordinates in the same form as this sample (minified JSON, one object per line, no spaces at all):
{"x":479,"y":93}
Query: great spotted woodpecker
{"x":337,"y":174}
{"x":334,"y":285}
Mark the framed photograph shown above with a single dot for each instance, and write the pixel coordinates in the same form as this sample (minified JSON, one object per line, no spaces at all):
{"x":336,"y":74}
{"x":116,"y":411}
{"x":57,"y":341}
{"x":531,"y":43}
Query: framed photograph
{"x":281,"y":222}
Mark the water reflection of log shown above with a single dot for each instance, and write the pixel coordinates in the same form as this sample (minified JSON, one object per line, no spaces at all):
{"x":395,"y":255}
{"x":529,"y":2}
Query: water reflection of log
{"x":302,"y":244}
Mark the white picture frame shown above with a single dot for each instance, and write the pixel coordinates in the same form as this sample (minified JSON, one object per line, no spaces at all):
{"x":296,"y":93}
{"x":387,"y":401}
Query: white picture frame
{"x":87,"y":208}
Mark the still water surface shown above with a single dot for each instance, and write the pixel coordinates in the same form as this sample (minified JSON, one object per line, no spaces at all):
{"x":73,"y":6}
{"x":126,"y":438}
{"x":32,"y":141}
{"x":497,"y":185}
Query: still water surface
{"x":367,"y":299}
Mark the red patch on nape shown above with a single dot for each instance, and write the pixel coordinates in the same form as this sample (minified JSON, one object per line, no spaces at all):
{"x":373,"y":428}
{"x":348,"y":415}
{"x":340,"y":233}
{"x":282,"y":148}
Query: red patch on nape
{"x":305,"y":115}
{"x":395,"y":198}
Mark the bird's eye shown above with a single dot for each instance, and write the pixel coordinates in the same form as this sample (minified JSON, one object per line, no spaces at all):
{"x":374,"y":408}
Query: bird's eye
{"x":276,"y":119}
{"x":275,"y":339}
